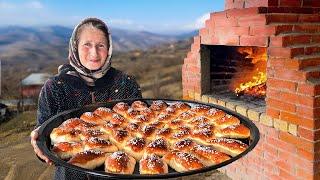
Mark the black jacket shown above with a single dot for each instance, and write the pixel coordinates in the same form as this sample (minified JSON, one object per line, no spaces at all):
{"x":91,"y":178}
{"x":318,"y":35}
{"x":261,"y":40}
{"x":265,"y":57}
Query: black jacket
{"x":63,"y":92}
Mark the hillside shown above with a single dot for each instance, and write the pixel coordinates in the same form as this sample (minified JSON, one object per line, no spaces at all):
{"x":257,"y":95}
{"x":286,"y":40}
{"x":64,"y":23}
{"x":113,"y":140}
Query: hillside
{"x":26,"y":50}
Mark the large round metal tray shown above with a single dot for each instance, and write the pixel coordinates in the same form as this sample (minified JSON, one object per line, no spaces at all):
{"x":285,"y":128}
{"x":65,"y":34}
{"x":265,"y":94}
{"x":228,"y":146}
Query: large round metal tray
{"x":44,"y":142}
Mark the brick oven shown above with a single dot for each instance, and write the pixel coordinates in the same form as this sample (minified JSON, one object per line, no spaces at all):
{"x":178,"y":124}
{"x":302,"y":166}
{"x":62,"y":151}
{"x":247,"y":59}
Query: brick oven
{"x":278,"y":41}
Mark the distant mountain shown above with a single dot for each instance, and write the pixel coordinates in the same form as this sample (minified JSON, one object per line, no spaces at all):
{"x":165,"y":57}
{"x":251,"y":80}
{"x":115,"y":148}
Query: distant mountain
{"x":49,"y":44}
{"x":187,"y":35}
{"x":32,"y":37}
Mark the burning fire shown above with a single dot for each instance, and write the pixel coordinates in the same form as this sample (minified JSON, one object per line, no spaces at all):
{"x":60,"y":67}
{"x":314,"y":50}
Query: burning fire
{"x":256,"y":87}
{"x":255,"y":84}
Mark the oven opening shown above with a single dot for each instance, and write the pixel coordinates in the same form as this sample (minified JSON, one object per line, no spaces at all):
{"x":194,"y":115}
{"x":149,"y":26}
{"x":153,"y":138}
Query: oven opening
{"x":238,"y":72}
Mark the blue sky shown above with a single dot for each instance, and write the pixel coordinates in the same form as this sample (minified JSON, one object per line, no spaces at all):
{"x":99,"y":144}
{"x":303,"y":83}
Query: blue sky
{"x":162,"y":16}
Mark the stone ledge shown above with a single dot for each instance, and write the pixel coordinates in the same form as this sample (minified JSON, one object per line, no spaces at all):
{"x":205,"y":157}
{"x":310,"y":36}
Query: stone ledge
{"x":254,"y":112}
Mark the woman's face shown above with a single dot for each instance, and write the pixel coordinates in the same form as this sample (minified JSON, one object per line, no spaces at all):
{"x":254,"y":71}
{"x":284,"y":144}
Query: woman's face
{"x":92,"y":48}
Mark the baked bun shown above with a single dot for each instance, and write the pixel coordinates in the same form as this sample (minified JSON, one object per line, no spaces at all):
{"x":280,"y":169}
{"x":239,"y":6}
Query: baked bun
{"x":158,"y":106}
{"x":165,"y":117}
{"x":135,"y":147}
{"x":148,"y":113}
{"x":66,"y":150}
{"x":64,"y":135}
{"x":139,"y":105}
{"x":142,"y":119}
{"x":175,"y":124}
{"x":88,"y":159}
{"x":235,"y":131}
{"x":104,"y":113}
{"x":84,"y":135}
{"x":157,"y":124}
{"x":99,"y":144}
{"x":78,"y":124}
{"x":120,"y":162}
{"x":118,"y":119}
{"x":147,"y":131}
{"x":182,"y":132}
{"x":199,"y":120}
{"x":152,"y":164}
{"x":159,"y":147}
{"x":121,"y":108}
{"x":180,"y":107}
{"x":229,"y":146}
{"x":71,"y":123}
{"x":90,"y":117}
{"x":182,"y":161}
{"x":201,"y":136}
{"x":200,"y":109}
{"x":133,"y":128}
{"x":208,"y":155}
{"x":226,"y":121}
{"x":109,"y":127}
{"x":184,"y":145}
{"x":131,"y":114}
{"x":187,"y":116}
{"x":119,"y":137}
{"x":164,"y":132}
{"x":214,"y":114}
{"x":86,"y":125}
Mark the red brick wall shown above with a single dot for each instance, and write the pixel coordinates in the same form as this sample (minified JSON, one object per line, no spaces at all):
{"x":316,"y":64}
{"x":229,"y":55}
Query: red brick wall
{"x":238,"y":4}
{"x":293,"y":86}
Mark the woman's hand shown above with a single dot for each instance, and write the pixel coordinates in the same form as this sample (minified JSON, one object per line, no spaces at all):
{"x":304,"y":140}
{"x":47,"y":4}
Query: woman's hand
{"x":34,"y":136}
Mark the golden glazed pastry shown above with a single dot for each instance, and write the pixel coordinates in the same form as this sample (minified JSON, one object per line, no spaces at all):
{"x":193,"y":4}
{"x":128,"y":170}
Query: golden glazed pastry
{"x":214,"y":114}
{"x":120,"y":162}
{"x":99,"y":144}
{"x":200,"y":109}
{"x":135,"y":147}
{"x":158,"y":106}
{"x":184,"y":145}
{"x":235,"y":131}
{"x":208,"y":155}
{"x":84,"y":135}
{"x":104,"y":113}
{"x":159,"y":147}
{"x":121,"y":108}
{"x":152,"y":164}
{"x":229,"y":146}
{"x":66,"y":150}
{"x":61,"y":134}
{"x":88,"y":159}
{"x":139,"y":105}
{"x":227,"y":120}
{"x":90,"y":117}
{"x":182,"y":161}
{"x":119,"y":137}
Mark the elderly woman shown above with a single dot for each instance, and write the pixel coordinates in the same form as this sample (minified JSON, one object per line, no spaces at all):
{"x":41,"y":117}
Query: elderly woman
{"x":87,"y":79}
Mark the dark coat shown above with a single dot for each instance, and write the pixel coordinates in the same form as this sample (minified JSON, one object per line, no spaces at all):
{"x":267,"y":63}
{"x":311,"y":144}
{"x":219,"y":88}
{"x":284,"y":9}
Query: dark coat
{"x":63,"y":92}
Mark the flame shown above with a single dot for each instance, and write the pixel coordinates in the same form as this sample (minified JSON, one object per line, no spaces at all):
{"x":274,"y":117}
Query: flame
{"x":256,"y":87}
{"x":255,"y":82}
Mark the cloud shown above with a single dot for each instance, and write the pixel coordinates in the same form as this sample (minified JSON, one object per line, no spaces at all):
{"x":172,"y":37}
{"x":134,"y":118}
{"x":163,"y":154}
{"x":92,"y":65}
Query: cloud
{"x":197,"y":24}
{"x":125,"y":22}
{"x":200,"y":22}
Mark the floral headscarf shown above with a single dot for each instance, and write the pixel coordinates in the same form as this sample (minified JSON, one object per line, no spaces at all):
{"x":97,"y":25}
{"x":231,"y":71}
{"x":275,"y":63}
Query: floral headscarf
{"x":89,"y":76}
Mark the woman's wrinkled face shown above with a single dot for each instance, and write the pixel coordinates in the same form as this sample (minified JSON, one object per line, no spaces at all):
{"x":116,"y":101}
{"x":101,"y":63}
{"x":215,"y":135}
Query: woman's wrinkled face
{"x":92,"y":48}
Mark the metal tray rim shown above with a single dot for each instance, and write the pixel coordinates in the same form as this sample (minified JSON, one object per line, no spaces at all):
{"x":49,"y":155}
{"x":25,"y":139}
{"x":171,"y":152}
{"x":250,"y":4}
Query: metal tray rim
{"x":42,"y":142}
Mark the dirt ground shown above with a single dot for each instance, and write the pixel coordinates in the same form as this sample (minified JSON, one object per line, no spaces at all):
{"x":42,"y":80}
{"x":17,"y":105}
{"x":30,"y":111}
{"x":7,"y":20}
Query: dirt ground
{"x":19,"y":162}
